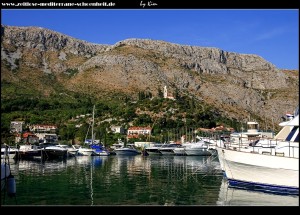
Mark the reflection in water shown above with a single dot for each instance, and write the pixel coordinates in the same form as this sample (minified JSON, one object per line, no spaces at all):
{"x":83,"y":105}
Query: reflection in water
{"x":236,"y":197}
{"x":123,"y":180}
{"x":91,"y":182}
{"x":163,"y":180}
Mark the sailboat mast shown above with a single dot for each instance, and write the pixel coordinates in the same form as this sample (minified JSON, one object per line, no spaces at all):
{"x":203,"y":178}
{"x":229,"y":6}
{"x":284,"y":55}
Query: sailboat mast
{"x":87,"y":133}
{"x":93,"y":120}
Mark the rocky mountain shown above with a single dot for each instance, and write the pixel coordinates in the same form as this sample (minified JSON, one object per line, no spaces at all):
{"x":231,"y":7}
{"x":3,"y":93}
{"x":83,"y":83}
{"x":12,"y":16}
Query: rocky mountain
{"x":239,"y":85}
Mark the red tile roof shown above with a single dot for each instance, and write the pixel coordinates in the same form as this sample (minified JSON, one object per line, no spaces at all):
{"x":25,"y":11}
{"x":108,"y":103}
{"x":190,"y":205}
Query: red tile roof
{"x":139,"y":128}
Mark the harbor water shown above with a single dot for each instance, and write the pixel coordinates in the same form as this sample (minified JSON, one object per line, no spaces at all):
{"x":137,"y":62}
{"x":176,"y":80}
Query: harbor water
{"x":131,"y":181}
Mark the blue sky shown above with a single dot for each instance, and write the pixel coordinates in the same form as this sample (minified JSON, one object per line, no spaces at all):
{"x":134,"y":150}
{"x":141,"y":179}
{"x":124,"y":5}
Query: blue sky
{"x":271,"y":34}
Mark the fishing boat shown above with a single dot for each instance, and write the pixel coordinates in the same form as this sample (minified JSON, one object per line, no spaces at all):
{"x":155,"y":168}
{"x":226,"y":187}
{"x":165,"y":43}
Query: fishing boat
{"x":270,"y":168}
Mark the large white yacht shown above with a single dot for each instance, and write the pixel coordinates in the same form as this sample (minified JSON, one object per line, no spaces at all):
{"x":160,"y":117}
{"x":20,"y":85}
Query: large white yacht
{"x":273,"y":167}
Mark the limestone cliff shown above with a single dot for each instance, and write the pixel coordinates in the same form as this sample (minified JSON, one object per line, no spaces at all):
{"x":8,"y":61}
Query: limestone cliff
{"x":239,"y":85}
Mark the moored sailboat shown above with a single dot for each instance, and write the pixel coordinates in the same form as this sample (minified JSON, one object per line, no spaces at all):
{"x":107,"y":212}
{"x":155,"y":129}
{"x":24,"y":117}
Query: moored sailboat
{"x":84,"y":150}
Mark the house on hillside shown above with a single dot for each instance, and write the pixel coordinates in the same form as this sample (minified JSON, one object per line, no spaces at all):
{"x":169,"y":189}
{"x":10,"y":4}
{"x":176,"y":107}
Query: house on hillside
{"x":41,"y":128}
{"x":45,"y":132}
{"x":219,"y":128}
{"x":16,"y":126}
{"x":117,"y":129}
{"x":27,"y":138}
{"x":134,"y":132}
{"x":47,"y":138}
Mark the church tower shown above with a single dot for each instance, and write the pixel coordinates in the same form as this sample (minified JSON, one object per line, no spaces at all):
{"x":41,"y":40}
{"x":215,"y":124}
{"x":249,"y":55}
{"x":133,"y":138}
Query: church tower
{"x":165,"y":92}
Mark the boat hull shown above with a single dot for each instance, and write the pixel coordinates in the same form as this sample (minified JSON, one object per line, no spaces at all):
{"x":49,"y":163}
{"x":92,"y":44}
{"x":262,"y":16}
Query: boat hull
{"x":233,"y":196}
{"x":86,"y":152}
{"x":167,"y":152}
{"x":55,"y":152}
{"x":152,"y":151}
{"x":100,"y":150}
{"x":5,"y":172}
{"x":30,"y":154}
{"x":179,"y":151}
{"x":259,"y":171}
{"x":198,"y":152}
{"x":10,"y":155}
{"x":126,"y":152}
{"x":72,"y":153}
{"x":102,"y":153}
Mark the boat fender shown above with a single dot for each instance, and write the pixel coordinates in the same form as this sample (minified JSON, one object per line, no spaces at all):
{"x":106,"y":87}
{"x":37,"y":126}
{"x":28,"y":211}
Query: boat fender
{"x":11,"y":186}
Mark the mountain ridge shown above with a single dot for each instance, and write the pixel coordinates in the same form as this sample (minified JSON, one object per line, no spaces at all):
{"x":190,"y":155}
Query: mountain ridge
{"x":239,"y":85}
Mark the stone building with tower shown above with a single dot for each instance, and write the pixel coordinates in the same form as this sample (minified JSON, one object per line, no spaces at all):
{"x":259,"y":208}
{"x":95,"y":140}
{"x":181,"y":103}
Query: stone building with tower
{"x":168,"y":95}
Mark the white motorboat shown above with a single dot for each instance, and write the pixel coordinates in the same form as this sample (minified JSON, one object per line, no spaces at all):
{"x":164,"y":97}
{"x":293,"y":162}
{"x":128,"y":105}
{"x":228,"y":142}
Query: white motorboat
{"x":273,"y":168}
{"x":86,"y":151}
{"x":179,"y":150}
{"x":71,"y":150}
{"x":55,"y":152}
{"x":28,"y":151}
{"x":8,"y":151}
{"x":154,"y":149}
{"x":127,"y":150}
{"x":167,"y":149}
{"x":197,"y":148}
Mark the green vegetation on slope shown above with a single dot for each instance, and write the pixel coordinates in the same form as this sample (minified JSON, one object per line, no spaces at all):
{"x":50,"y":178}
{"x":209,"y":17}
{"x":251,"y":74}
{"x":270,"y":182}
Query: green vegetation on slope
{"x":166,"y":117}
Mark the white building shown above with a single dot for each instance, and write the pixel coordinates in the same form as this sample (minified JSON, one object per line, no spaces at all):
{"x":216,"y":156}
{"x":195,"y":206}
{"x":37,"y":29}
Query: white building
{"x":166,"y":95}
{"x":117,"y":129}
{"x":143,"y":144}
{"x":134,"y":132}
{"x":43,"y":128}
{"x":16,"y":126}
{"x":47,"y":137}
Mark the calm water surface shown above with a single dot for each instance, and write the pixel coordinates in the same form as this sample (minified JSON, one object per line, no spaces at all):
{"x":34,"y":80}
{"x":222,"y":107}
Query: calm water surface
{"x":131,"y":180}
